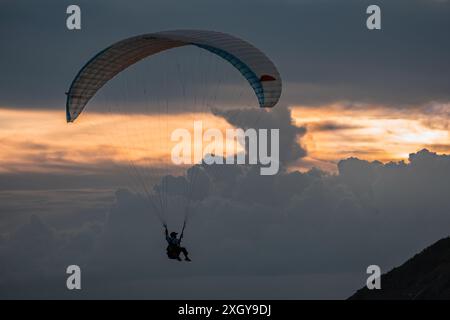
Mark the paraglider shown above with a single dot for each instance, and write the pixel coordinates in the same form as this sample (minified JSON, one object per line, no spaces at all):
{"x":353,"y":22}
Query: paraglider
{"x":257,"y":69}
{"x":174,"y":247}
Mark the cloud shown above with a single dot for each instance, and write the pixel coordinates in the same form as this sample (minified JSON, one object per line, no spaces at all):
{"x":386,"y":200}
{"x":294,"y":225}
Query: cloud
{"x":298,"y":225}
{"x":322,"y":48}
{"x":277,"y":118}
{"x":332,"y":126}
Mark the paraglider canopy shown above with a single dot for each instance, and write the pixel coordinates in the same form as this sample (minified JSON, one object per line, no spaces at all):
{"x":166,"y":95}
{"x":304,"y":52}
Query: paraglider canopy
{"x":254,"y":65}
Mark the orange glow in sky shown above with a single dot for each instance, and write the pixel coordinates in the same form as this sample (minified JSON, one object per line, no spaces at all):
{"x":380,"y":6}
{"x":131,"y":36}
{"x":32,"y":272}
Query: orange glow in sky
{"x":41,"y":140}
{"x":382,"y":134}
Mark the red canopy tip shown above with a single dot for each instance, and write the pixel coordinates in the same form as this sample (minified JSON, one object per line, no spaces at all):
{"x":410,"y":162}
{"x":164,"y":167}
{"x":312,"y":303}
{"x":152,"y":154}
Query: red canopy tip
{"x":266,"y":77}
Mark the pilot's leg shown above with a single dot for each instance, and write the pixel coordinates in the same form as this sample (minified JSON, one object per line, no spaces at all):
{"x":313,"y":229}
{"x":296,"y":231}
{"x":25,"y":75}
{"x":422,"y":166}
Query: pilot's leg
{"x":185,"y":253}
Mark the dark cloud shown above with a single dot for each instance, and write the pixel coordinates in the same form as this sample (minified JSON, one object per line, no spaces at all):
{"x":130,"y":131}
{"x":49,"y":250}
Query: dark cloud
{"x":331,"y":126}
{"x":306,"y":227}
{"x":277,"y":118}
{"x":322,"y":48}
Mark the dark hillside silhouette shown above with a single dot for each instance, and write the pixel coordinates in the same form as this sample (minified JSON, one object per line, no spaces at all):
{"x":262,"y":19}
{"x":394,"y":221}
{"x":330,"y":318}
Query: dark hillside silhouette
{"x":424,"y":276}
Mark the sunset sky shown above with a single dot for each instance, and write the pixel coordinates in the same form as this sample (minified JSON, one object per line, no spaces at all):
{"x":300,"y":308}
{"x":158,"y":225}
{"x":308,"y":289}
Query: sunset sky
{"x":375,"y":96}
{"x":353,"y":100}
{"x":37,"y":140}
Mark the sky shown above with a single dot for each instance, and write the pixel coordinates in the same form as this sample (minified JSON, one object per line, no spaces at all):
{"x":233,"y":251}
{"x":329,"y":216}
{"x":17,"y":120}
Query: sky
{"x":364,"y":137}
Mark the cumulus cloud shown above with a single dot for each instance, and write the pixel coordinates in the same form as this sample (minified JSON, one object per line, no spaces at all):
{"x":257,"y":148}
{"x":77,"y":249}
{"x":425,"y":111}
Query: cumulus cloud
{"x":298,"y":225}
{"x":278,"y":118}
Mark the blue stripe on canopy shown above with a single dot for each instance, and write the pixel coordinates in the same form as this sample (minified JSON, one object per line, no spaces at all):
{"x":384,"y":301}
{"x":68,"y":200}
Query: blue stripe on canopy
{"x":251,"y":76}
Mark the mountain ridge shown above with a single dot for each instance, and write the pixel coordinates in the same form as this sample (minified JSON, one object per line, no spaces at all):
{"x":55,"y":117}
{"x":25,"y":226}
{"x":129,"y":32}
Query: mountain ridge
{"x":425,"y":276}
